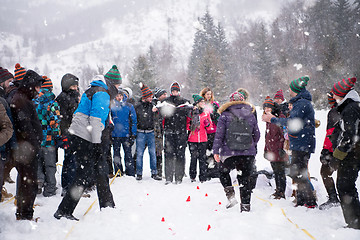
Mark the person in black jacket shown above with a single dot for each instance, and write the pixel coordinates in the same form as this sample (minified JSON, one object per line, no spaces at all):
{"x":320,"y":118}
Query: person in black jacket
{"x":347,"y":149}
{"x":329,"y":164}
{"x":68,"y":101}
{"x":145,"y":113}
{"x":28,"y":136}
{"x":175,"y":111}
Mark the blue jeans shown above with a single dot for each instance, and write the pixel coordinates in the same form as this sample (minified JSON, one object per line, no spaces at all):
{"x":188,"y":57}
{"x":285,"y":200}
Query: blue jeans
{"x":143,"y":140}
{"x":129,"y":161}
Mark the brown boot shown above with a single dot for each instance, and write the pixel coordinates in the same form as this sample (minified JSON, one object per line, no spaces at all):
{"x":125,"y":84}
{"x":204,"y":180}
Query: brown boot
{"x":5,"y":194}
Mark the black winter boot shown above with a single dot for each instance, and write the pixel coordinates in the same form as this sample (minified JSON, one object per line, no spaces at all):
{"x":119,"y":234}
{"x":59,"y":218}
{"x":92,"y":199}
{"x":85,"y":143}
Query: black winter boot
{"x":332,"y":202}
{"x":244,"y":207}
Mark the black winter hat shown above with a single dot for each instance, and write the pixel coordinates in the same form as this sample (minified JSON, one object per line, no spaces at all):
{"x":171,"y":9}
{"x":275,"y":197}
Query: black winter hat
{"x":31,"y":80}
{"x":69,"y":80}
{"x":159,"y":92}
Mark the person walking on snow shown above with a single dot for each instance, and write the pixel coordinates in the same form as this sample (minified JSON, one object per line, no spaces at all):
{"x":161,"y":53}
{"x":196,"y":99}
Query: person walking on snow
{"x":233,"y":154}
{"x":86,"y":129}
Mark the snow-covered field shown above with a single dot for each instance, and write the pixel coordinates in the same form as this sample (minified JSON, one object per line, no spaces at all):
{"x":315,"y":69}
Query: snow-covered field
{"x":151,"y":210}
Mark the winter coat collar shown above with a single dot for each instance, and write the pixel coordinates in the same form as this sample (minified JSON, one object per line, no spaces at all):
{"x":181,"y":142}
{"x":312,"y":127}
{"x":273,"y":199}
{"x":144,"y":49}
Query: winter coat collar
{"x":229,"y":104}
{"x":99,"y":81}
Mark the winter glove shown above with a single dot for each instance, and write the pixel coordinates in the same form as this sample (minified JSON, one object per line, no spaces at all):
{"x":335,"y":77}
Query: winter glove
{"x":282,"y":153}
{"x":65,"y":142}
{"x":339,"y":154}
{"x":132,"y":139}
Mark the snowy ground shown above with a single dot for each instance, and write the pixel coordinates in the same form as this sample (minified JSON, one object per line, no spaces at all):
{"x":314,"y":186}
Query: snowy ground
{"x":151,"y":210}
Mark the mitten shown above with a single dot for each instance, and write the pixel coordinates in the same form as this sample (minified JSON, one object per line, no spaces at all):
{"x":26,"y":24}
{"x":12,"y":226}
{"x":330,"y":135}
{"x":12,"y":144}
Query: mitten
{"x":339,"y":154}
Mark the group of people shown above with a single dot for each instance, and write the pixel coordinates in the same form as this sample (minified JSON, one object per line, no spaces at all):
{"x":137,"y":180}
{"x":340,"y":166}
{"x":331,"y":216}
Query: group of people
{"x":35,"y":124}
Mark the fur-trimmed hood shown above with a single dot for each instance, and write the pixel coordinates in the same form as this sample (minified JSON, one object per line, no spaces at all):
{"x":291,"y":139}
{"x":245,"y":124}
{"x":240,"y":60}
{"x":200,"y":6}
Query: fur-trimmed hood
{"x":229,"y":104}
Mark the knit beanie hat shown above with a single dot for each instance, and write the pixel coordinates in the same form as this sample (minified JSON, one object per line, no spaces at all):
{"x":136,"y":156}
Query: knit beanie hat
{"x":19,"y":72}
{"x":145,"y":91}
{"x":299,"y":84}
{"x":175,"y":86}
{"x":113,"y":75}
{"x":5,"y":75}
{"x":47,"y":83}
{"x":69,"y":80}
{"x":159,"y":92}
{"x":236,"y":96}
{"x":279,"y":94}
{"x":341,"y":88}
{"x":268,"y":103}
{"x":331,"y":99}
{"x":197,"y":98}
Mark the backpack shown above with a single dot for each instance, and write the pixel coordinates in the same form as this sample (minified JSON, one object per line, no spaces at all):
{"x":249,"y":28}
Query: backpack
{"x":239,"y":134}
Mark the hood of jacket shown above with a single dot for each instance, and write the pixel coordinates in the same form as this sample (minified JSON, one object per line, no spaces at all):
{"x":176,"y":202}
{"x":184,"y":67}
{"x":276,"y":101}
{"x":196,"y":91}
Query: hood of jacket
{"x":99,"y":81}
{"x":237,"y":105}
{"x":352,"y":94}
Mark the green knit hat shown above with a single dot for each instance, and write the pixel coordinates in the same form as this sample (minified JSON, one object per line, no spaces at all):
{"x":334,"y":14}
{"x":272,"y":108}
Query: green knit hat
{"x":113,"y":75}
{"x":298,"y":84}
{"x":197,"y":98}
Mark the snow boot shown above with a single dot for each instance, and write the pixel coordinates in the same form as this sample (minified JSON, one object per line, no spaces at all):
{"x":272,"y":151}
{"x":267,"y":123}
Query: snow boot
{"x":244,"y":207}
{"x":5,"y":194}
{"x":331,"y":202}
{"x":156,"y":177}
{"x":139,"y":177}
{"x":58,"y":214}
{"x":230,"y":194}
{"x":278,"y":195}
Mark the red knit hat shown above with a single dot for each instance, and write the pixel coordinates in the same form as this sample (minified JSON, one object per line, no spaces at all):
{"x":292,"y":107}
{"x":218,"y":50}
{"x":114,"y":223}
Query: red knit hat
{"x":19,"y":72}
{"x":5,"y":75}
{"x":47,"y":83}
{"x":279,"y":94}
{"x":268,"y":102}
{"x":341,"y":88}
{"x":145,"y":90}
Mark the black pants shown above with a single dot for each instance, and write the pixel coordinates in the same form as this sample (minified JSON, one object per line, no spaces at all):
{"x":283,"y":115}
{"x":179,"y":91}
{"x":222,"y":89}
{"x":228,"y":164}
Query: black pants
{"x":244,"y":166}
{"x":198,"y":153}
{"x":175,"y":145}
{"x":26,"y":183}
{"x":159,"y":164}
{"x":280,"y":177}
{"x":89,"y":165}
{"x":299,"y":173}
{"x":328,"y":167}
{"x":349,"y":198}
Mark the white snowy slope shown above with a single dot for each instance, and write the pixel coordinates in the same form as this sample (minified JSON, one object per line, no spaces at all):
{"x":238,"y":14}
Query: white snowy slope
{"x":141,"y":207}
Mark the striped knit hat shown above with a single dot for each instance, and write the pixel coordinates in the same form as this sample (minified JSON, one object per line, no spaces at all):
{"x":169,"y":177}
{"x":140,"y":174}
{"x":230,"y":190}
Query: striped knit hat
{"x":19,"y":72}
{"x":47,"y":83}
{"x":113,"y":75}
{"x":279,"y":94}
{"x":5,"y":75}
{"x":341,"y":88}
{"x":237,"y":96}
{"x":159,"y":92}
{"x":175,"y":86}
{"x":268,"y":103}
{"x":145,"y":90}
{"x":331,"y":99}
{"x":299,"y":84}
{"x":197,"y":98}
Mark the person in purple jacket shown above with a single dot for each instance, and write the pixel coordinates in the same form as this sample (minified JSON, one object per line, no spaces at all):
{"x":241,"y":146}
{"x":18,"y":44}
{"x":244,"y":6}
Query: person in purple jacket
{"x":231,"y":158}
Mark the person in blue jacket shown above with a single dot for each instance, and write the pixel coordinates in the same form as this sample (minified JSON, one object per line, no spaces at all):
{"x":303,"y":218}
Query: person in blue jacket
{"x":301,"y":127}
{"x":86,"y":130}
{"x":124,"y":118}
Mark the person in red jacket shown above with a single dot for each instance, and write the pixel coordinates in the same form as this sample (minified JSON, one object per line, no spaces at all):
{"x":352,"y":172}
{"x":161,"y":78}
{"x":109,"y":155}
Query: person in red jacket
{"x":198,"y":125}
{"x":329,"y":163}
{"x":274,"y":148}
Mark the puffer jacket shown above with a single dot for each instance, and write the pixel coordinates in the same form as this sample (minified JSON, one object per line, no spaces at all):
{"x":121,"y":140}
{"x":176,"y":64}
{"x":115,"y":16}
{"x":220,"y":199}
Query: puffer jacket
{"x":205,"y":124}
{"x":124,"y":118}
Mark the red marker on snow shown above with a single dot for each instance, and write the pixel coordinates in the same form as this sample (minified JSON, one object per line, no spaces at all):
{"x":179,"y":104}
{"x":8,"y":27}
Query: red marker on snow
{"x":188,"y":199}
{"x":197,"y":187}
{"x":219,"y":203}
{"x":206,"y":194}
{"x":208,"y":227}
{"x":163,"y":219}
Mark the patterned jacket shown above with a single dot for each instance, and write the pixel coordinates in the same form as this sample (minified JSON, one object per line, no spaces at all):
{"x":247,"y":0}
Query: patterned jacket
{"x":48,"y":111}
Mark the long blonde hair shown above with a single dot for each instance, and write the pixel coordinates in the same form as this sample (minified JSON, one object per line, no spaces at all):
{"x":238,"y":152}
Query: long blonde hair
{"x":204,"y":91}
